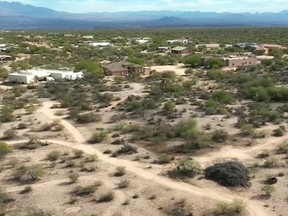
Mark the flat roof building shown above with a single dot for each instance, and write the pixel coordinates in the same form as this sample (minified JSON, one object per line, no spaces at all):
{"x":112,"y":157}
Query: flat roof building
{"x":180,"y":50}
{"x":240,"y":61}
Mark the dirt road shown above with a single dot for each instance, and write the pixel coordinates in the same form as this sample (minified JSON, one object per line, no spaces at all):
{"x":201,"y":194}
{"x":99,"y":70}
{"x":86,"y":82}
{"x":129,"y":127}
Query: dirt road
{"x":252,"y":208}
{"x":46,"y":110}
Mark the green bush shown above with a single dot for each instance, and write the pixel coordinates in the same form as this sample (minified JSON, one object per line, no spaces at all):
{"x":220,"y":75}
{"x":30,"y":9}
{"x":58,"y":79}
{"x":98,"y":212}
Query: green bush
{"x":73,"y":177}
{"x":169,"y":108}
{"x":29,"y":173}
{"x":186,"y":168}
{"x":220,"y":135}
{"x":88,"y":118}
{"x":163,"y":159}
{"x":106,"y":197}
{"x":214,"y":108}
{"x":268,"y":190}
{"x":247,"y":130}
{"x":278,"y":132}
{"x":120,"y":171}
{"x":222,"y":97}
{"x":53,"y":155}
{"x":5,"y":149}
{"x":123,"y":184}
{"x":78,"y":153}
{"x":84,"y":190}
{"x":229,"y":174}
{"x":9,"y":134}
{"x":236,"y":207}
{"x":272,"y":163}
{"x":98,"y":137}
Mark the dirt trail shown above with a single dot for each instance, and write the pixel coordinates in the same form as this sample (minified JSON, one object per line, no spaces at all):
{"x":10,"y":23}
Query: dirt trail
{"x":46,"y":110}
{"x":231,"y":152}
{"x":252,"y":208}
{"x":119,"y":197}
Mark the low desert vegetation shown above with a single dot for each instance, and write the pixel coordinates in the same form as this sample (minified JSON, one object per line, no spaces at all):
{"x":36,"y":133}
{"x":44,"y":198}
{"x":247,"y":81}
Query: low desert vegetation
{"x":230,"y":209}
{"x":229,"y":174}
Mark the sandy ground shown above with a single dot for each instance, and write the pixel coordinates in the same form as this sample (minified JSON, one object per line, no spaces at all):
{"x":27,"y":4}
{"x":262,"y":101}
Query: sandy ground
{"x":179,"y":69}
{"x":145,"y":176}
{"x":132,"y":167}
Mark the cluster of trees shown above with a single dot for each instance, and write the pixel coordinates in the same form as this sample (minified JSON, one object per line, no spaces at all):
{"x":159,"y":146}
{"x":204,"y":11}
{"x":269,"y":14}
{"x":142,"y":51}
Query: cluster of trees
{"x":197,"y":61}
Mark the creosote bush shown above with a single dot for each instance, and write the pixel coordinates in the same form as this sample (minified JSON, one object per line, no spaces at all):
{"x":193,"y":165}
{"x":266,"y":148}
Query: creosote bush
{"x":5,"y":149}
{"x":29,"y":173}
{"x":84,"y":190}
{"x":73,"y":177}
{"x":106,"y":197}
{"x":123,"y":184}
{"x":98,"y":137}
{"x":230,"y":209}
{"x":229,"y":174}
{"x":186,"y":168}
{"x":120,"y":171}
{"x":53,"y":155}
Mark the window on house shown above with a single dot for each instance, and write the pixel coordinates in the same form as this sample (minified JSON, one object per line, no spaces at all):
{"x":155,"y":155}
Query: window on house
{"x":233,"y":64}
{"x":250,"y":63}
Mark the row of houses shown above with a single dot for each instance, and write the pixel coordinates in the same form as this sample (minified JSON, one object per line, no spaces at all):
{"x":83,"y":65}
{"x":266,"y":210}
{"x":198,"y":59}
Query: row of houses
{"x":34,"y":76}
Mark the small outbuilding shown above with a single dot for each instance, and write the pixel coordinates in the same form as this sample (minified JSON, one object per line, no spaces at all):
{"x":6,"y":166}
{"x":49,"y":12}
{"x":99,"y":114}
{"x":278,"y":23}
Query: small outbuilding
{"x":21,"y":78}
{"x":180,"y":50}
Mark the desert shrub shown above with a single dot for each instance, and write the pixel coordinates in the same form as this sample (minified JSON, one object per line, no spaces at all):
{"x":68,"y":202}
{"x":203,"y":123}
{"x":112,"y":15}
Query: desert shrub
{"x":84,"y":190}
{"x":92,"y":158}
{"x":21,"y":126}
{"x":260,"y":134}
{"x":282,"y":148}
{"x":44,"y":127}
{"x":214,"y":108}
{"x":6,"y":114}
{"x":169,"y":109}
{"x":222,"y":97}
{"x":264,"y":154}
{"x":88,"y":118}
{"x":58,"y":127}
{"x":70,"y":163}
{"x":127,"y":149}
{"x":38,"y":213}
{"x":9,"y":135}
{"x":236,"y":207}
{"x":78,"y":153}
{"x":271,"y":163}
{"x":5,"y":149}
{"x":33,"y":143}
{"x":59,"y":113}
{"x":247,"y":130}
{"x":98,"y":137}
{"x":73,"y":177}
{"x":268,"y":190}
{"x":123,"y":184}
{"x":186,"y":168}
{"x":163,"y":159}
{"x":106,"y":197}
{"x":53,"y":155}
{"x":29,"y":173}
{"x":30,"y":109}
{"x":26,"y":190}
{"x":120,"y":171}
{"x":229,"y":174}
{"x":278,"y":132}
{"x":220,"y":135}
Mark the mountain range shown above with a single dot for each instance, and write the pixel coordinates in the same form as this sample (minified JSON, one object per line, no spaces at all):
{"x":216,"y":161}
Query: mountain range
{"x":15,"y":15}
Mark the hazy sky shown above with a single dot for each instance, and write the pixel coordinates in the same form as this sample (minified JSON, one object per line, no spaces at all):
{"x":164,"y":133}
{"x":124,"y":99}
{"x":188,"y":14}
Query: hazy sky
{"x":184,"y":5}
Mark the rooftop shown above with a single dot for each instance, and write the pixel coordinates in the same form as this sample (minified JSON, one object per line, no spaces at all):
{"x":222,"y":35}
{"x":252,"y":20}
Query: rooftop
{"x":179,"y":48}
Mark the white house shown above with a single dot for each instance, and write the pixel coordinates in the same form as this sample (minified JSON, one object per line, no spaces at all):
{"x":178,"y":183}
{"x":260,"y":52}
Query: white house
{"x":21,"y":78}
{"x":100,"y":44}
